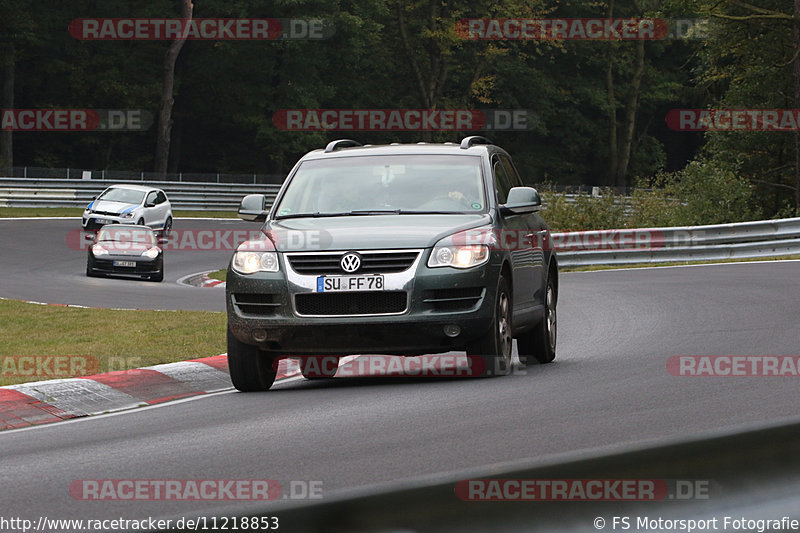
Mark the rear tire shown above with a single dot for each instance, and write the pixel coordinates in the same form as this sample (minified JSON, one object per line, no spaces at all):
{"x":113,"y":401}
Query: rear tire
{"x":167,"y":226}
{"x":494,"y":348}
{"x":539,"y":344}
{"x":250,"y":369}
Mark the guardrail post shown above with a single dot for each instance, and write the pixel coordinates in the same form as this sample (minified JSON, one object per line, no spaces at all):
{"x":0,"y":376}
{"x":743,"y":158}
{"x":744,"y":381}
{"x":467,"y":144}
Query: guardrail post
{"x":143,"y":175}
{"x":180,"y":176}
{"x":67,"y":172}
{"x":254,"y":179}
{"x":217,"y":177}
{"x":25,"y":172}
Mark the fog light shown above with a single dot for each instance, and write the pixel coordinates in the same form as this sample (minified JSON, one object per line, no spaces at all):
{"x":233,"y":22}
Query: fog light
{"x":259,"y":335}
{"x":451,"y":330}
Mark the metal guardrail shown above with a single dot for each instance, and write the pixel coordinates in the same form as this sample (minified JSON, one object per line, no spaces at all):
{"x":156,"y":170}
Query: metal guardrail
{"x":27,"y":192}
{"x":132,"y":175}
{"x":741,"y":240}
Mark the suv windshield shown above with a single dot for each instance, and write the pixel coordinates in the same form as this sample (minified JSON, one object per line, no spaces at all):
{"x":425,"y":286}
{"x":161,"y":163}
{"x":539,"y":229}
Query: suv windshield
{"x":126,"y":196}
{"x":378,"y":184}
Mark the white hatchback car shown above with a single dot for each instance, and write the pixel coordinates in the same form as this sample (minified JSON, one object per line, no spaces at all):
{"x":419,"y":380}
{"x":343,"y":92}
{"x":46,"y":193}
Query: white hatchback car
{"x":129,"y":204}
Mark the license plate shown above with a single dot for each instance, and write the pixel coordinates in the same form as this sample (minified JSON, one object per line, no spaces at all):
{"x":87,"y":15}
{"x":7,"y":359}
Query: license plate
{"x":349,"y":283}
{"x":103,"y":221}
{"x":124,"y":263}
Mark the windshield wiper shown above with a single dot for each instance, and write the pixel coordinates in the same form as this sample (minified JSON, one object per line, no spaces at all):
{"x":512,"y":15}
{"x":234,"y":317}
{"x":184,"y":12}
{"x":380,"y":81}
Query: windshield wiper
{"x":428,"y":212}
{"x":354,"y":213}
{"x":313,"y":215}
{"x":366,"y":212}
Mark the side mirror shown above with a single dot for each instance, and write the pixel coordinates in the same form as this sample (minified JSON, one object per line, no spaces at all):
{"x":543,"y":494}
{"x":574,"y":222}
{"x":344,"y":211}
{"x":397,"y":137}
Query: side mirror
{"x":253,"y":208}
{"x":521,"y":200}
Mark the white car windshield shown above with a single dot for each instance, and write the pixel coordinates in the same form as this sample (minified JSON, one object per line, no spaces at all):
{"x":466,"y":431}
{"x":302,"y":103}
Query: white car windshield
{"x":404,"y":183}
{"x":119,"y":194}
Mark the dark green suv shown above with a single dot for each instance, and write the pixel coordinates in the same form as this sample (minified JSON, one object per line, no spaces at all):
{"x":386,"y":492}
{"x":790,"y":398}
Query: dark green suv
{"x":405,"y":249}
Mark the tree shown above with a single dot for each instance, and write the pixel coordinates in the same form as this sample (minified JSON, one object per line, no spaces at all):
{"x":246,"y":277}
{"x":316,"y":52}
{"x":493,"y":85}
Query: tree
{"x":167,"y":93}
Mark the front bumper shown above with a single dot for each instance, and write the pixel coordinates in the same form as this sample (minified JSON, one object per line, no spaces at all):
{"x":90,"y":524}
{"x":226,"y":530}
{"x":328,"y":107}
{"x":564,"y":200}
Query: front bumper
{"x":144,"y":266}
{"x":262,"y":311}
{"x":90,"y":221}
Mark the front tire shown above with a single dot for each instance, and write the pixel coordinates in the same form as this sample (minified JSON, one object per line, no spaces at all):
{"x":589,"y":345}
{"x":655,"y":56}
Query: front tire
{"x":494,"y":348}
{"x":539,"y":344}
{"x":251,"y":369}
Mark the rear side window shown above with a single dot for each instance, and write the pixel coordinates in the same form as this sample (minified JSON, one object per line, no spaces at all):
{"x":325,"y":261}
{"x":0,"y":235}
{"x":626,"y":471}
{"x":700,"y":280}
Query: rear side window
{"x":161,"y":197}
{"x":513,"y":176}
{"x":502,"y":183}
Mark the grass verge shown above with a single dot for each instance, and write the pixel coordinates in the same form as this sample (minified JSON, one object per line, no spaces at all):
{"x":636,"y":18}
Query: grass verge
{"x":33,"y":212}
{"x":219,"y":274}
{"x":101,"y":340}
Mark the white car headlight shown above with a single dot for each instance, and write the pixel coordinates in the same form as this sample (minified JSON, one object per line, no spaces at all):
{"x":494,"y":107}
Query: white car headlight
{"x":127,"y":215}
{"x":251,"y":262}
{"x":98,"y":250}
{"x":459,"y":256}
{"x":152,"y":253}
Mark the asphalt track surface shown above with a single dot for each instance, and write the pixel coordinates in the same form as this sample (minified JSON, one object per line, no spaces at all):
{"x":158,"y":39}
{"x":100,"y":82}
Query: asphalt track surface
{"x":608,"y":389}
{"x":45,"y":261}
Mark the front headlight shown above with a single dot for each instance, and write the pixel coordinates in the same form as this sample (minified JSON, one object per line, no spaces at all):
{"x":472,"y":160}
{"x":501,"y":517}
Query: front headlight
{"x":152,"y":253}
{"x":127,"y":215}
{"x":459,"y":256}
{"x":99,"y":250}
{"x":251,"y":262}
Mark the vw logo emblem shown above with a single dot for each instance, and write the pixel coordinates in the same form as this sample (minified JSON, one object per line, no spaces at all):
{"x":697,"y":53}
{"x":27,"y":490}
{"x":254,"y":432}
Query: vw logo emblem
{"x":350,"y":262}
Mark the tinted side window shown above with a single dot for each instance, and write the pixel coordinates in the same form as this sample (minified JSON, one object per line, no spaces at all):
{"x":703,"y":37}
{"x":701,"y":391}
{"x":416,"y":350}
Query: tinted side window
{"x":513,"y":176}
{"x":501,"y":181}
{"x":161,"y":198}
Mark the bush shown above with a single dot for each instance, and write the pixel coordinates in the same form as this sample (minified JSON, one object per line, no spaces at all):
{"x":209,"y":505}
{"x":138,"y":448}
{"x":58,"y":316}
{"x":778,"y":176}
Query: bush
{"x":699,"y":194}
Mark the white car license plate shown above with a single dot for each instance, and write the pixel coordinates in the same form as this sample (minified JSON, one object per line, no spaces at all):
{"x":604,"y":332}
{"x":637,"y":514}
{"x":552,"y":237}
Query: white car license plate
{"x":124,"y":263}
{"x":103,"y":221}
{"x":349,"y":283}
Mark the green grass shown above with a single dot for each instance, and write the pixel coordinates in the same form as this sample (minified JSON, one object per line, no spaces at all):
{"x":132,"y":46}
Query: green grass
{"x":113,"y":340}
{"x":219,"y":274}
{"x":13,"y":212}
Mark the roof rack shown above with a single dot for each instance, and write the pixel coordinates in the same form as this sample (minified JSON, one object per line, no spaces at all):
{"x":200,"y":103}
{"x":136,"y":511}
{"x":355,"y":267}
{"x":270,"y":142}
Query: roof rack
{"x":341,"y":143}
{"x":466,"y":142}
